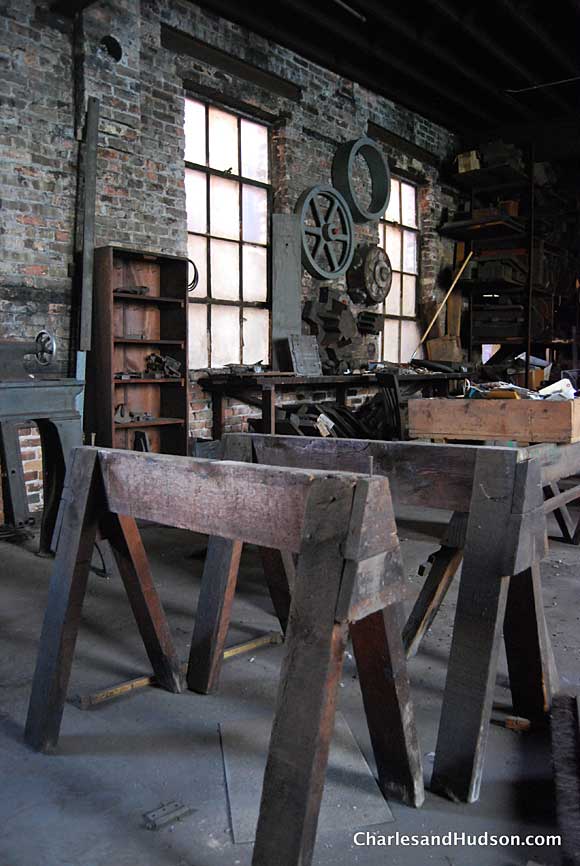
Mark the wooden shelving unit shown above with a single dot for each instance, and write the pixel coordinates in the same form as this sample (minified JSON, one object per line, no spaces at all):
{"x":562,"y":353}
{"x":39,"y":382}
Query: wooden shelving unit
{"x":126,"y":329}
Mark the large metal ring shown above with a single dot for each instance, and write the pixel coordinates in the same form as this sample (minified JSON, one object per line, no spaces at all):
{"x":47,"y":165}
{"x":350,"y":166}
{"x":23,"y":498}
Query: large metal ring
{"x":327,"y":232}
{"x":343,"y":177}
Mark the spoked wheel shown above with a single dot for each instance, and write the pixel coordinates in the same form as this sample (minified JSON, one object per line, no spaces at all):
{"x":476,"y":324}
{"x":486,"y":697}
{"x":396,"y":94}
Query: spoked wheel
{"x":327,"y":232}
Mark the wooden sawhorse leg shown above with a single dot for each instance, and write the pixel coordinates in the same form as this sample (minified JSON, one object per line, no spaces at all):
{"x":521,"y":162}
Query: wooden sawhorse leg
{"x":444,"y":564}
{"x":81,"y":516}
{"x":315,"y":644}
{"x":384,"y":682}
{"x":569,"y":528}
{"x":531,"y":666}
{"x":479,"y":619}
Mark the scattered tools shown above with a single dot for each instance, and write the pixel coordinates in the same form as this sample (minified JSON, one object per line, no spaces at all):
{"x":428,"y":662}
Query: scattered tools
{"x":162,"y":366}
{"x":125,"y":416}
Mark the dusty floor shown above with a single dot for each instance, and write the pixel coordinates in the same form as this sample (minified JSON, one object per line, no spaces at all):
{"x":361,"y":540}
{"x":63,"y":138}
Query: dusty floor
{"x":84,"y":805}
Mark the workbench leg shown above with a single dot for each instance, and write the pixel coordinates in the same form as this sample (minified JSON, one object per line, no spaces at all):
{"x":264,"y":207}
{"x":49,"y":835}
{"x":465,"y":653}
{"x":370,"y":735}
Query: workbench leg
{"x":279,"y":573}
{"x":470,"y":684}
{"x":218,"y":586}
{"x":58,"y":439}
{"x":16,"y":508}
{"x":65,"y":598}
{"x":384,"y":682}
{"x":218,"y":414}
{"x":444,"y":565}
{"x":131,"y":559}
{"x":269,"y":409}
{"x":528,"y":646}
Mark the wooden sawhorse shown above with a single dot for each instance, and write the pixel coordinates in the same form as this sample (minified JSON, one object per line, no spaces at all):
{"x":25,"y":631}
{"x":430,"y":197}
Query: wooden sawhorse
{"x":348,"y":571}
{"x":503,"y":535}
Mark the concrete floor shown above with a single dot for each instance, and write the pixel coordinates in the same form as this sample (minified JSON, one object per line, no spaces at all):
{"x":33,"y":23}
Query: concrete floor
{"x":83,"y":806}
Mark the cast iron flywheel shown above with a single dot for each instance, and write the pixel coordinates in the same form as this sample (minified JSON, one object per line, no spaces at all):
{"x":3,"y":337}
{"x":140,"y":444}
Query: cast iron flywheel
{"x":327,"y":232}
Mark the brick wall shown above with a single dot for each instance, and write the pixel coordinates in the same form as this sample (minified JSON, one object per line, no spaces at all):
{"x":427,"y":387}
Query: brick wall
{"x":44,"y":85}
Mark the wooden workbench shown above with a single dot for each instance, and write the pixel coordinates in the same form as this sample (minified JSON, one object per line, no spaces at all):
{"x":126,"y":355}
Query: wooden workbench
{"x":260,"y":390}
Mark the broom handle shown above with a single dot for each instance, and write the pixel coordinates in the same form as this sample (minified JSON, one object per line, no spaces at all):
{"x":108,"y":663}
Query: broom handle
{"x":443,"y":302}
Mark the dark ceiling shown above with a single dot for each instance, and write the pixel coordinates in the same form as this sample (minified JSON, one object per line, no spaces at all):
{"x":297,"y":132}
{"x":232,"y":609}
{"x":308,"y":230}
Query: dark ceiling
{"x":457,"y":62}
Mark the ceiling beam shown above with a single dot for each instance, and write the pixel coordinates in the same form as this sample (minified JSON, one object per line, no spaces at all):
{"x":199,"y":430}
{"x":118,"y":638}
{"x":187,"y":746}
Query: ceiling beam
{"x":313,"y":16}
{"x":477,"y":34}
{"x":391,"y":20}
{"x":519,"y":12}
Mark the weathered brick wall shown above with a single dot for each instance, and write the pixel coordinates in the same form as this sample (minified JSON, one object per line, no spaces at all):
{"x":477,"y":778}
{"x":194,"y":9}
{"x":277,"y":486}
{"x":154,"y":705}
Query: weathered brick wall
{"x":140,"y":191}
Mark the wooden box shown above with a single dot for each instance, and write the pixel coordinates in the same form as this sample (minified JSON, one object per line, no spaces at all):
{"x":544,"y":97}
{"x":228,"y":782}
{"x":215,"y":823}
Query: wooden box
{"x":514,"y":420}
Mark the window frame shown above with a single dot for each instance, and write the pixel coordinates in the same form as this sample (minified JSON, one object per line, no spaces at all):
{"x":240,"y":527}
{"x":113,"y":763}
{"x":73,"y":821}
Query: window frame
{"x":383,"y":222}
{"x":208,"y":301}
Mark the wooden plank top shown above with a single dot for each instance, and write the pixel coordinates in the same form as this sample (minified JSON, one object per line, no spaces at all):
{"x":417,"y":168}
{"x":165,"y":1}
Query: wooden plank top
{"x":261,"y":505}
{"x":419,"y":473}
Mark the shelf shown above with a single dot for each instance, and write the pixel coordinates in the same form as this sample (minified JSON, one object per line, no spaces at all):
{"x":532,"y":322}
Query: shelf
{"x":496,"y":177}
{"x":148,"y":341}
{"x":146,"y":299}
{"x":155,"y":422}
{"x":500,"y":287}
{"x":173,"y":381}
{"x":490,"y":228}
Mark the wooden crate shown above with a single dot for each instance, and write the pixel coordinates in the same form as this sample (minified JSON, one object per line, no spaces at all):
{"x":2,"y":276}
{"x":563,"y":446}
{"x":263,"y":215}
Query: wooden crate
{"x":515,"y":420}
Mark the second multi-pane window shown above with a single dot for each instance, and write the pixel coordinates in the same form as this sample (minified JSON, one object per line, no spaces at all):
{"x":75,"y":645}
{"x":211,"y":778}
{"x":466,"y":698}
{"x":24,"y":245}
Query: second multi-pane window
{"x":399,"y":236}
{"x":227,"y":198}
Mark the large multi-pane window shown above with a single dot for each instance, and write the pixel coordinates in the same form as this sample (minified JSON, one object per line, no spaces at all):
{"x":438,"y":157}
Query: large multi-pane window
{"x":399,"y":236}
{"x":227,"y":198}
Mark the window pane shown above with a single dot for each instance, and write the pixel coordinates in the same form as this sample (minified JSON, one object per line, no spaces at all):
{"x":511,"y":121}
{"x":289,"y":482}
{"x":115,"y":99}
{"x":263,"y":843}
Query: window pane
{"x":224,"y":208}
{"x":195,"y":200}
{"x":197,"y":356}
{"x":197,"y":252}
{"x":409,"y":295}
{"x":225,"y":336}
{"x":254,"y":151}
{"x":223,"y":141}
{"x":393,"y":300}
{"x":392,"y":212}
{"x":408,"y":205}
{"x":410,"y":252}
{"x":195,"y":132}
{"x":393,"y":246}
{"x":254,"y":214}
{"x":225,"y":270}
{"x":256,"y":336}
{"x":255,"y":275}
{"x":410,"y":336}
{"x":391,"y":340}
